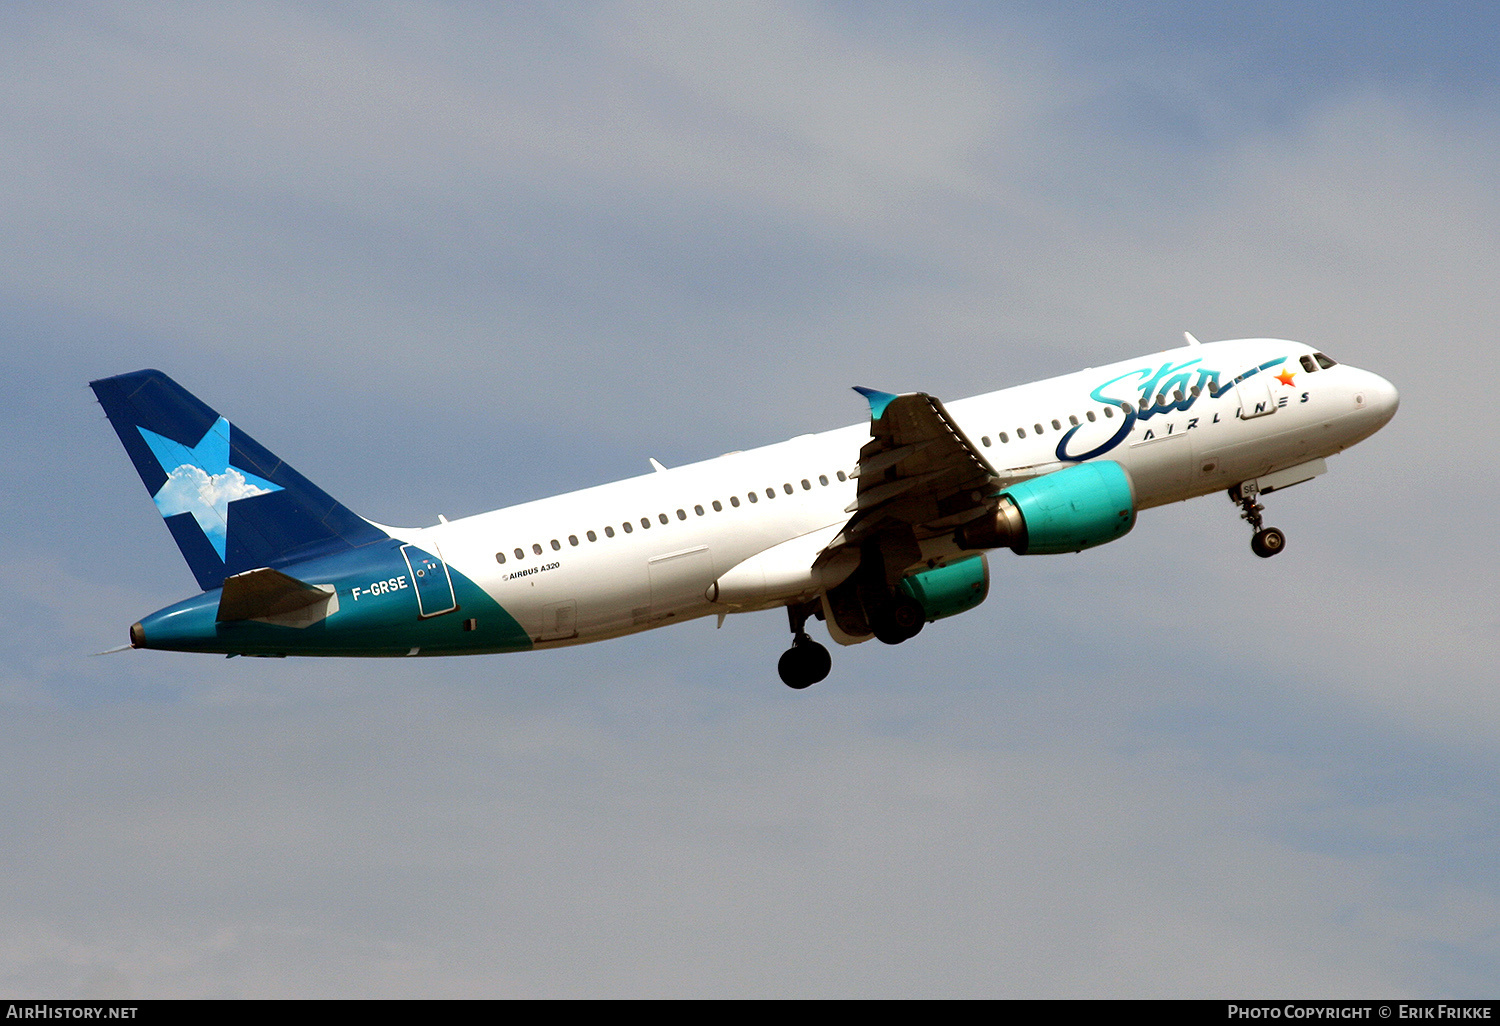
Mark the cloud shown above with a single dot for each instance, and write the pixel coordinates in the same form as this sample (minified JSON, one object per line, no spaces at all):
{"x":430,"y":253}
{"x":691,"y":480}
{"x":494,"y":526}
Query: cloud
{"x":190,"y":488}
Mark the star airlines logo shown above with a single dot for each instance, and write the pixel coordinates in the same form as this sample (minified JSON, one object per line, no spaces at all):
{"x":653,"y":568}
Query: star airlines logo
{"x":200,"y":481}
{"x":1286,"y":377}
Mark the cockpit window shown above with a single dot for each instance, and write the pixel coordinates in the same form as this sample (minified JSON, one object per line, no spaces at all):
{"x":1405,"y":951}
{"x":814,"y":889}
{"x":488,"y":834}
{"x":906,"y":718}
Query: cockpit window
{"x":1324,"y":361}
{"x":1308,"y":365}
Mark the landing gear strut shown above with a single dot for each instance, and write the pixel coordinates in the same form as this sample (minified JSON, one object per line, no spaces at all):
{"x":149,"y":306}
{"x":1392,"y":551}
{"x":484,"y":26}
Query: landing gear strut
{"x":806,"y":662}
{"x":1267,"y":541}
{"x":893,"y":616}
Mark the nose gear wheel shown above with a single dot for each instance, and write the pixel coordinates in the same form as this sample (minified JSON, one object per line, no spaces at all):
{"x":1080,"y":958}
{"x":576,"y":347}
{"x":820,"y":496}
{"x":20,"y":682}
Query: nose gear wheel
{"x":1267,"y":541}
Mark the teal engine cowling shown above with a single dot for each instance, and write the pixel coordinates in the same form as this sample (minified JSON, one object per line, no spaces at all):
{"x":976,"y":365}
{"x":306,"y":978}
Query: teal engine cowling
{"x":1071,"y":510}
{"x":949,"y":590}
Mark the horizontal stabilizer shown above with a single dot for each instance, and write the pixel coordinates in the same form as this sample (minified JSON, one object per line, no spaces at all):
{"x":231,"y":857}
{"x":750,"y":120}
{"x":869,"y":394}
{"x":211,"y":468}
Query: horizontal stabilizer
{"x":267,"y":594}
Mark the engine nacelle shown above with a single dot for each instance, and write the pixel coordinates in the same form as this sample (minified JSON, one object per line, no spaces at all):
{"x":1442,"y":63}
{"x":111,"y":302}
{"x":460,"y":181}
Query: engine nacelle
{"x":1068,"y":511}
{"x":949,"y":590}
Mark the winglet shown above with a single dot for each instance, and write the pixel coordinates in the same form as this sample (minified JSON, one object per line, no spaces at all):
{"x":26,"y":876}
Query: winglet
{"x":878,"y":400}
{"x":1190,"y":339}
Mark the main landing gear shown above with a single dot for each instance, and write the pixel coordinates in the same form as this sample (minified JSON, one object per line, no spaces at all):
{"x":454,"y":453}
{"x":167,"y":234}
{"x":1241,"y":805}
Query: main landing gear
{"x":806,"y":662}
{"x":903,"y":621}
{"x":1267,"y":541}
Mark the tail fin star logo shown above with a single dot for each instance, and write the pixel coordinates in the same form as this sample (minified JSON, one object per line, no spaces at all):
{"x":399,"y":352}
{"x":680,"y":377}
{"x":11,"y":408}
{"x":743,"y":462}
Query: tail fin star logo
{"x":200,"y":481}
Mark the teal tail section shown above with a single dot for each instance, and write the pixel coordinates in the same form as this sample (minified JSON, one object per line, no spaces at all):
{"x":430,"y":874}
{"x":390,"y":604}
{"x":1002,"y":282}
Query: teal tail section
{"x":285,"y":568}
{"x":230,"y":503}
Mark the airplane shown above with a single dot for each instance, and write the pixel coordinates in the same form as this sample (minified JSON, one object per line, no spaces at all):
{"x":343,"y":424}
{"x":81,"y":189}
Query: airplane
{"x":876,"y":529}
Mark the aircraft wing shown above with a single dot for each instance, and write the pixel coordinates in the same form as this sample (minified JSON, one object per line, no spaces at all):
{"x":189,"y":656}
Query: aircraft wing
{"x":918,"y":472}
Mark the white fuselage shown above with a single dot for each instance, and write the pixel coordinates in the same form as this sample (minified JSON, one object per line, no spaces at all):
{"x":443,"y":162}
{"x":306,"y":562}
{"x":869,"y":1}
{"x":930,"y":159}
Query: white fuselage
{"x":643,"y":552}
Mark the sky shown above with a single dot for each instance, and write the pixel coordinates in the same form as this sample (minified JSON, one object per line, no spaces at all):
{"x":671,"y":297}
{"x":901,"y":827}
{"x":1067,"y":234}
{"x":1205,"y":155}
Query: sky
{"x":448,"y":257}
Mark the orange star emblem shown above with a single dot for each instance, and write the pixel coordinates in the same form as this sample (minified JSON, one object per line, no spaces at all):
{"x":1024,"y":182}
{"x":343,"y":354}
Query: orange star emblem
{"x":1285,"y":377}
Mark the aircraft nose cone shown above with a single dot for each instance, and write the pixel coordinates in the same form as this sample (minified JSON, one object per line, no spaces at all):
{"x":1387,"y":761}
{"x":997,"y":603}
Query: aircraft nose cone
{"x":1381,"y":398}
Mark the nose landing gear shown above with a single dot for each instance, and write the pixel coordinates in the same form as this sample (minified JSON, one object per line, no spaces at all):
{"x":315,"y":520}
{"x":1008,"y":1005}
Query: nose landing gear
{"x":806,"y":662}
{"x":1267,"y":541}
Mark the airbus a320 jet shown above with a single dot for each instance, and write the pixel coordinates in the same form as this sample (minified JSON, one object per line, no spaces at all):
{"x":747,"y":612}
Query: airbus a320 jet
{"x":875,"y":529}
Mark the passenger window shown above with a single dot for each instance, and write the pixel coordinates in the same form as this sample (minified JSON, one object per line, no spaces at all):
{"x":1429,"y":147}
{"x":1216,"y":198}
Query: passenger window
{"x":823,"y":480}
{"x":734,"y":500}
{"x":609,"y":532}
{"x":1090,"y":416}
{"x":1109,"y":411}
{"x":536,"y":547}
{"x":627,"y":527}
{"x":753,"y":497}
{"x":770,"y":493}
{"x":1057,"y":425}
{"x":806,"y":485}
{"x":1195,"y":390}
{"x":499,"y":557}
{"x":520,"y":553}
{"x":1020,"y":432}
{"x":986,"y":441}
{"x":1038,"y":428}
{"x":573,"y":540}
{"x":592,"y":536}
{"x":1072,"y":420}
{"x":698,"y":510}
{"x":842,"y":476}
{"x":645,"y":523}
{"x":1004,"y":438}
{"x":556,"y":545}
{"x":663,"y":517}
{"x":719,"y":508}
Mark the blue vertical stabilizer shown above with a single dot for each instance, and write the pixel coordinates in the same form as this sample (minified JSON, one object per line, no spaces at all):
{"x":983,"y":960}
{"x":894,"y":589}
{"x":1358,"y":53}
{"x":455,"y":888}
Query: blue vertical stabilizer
{"x":230,"y":503}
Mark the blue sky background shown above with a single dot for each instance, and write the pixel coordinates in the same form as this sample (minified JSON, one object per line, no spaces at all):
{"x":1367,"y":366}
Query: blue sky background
{"x":446,"y":257}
